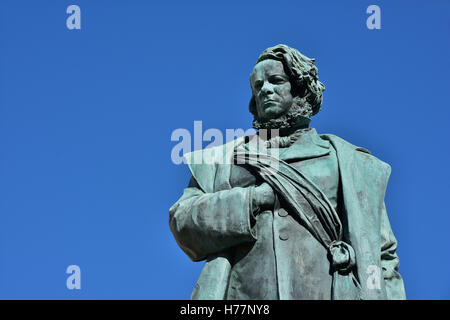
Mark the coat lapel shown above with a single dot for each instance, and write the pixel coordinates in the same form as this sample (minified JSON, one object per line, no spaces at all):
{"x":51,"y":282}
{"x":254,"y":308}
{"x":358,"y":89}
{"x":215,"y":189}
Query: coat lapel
{"x":363,"y":183}
{"x":308,"y":145}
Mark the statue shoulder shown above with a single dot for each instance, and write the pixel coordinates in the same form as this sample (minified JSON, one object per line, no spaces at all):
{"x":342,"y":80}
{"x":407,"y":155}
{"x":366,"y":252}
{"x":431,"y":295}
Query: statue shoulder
{"x":213,"y":155}
{"x":360,"y":154}
{"x":203,"y":163}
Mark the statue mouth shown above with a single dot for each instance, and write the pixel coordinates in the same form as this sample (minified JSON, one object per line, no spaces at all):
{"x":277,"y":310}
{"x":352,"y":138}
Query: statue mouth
{"x":269,"y":102}
{"x":292,"y":117}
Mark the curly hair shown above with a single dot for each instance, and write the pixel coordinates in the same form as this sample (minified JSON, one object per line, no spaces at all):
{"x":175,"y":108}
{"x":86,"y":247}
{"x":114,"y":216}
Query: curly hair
{"x":303,"y":75}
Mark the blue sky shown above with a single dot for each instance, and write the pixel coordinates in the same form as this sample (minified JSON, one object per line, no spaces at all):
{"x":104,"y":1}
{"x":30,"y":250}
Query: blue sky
{"x":86,"y":118}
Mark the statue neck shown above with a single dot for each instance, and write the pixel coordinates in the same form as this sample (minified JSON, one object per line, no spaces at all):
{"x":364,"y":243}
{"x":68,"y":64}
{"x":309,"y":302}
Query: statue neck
{"x":301,"y":123}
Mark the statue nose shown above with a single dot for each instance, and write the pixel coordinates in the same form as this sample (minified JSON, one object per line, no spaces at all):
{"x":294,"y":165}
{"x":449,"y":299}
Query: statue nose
{"x":266,"y":89}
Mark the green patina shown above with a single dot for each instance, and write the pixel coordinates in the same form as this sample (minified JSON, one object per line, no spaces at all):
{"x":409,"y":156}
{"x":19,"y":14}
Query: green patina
{"x":289,"y":214}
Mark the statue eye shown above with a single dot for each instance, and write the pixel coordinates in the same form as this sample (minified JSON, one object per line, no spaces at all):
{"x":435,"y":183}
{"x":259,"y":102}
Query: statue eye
{"x":277,"y":80}
{"x":258,"y":84}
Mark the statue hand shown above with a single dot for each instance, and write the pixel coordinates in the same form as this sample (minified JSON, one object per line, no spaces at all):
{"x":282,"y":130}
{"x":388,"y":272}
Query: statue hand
{"x":264,"y":197}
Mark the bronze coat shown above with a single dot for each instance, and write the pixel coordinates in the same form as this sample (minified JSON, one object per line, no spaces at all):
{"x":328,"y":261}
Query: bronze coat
{"x":363,"y":180}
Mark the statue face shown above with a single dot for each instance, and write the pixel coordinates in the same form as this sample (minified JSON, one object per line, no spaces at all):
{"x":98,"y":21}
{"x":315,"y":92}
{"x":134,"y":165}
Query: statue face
{"x":271,"y":89}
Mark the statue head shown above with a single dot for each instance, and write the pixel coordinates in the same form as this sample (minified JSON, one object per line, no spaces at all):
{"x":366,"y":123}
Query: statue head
{"x":286,"y":90}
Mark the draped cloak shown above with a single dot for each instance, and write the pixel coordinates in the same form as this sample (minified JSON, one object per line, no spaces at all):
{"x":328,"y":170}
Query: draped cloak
{"x":369,"y":248}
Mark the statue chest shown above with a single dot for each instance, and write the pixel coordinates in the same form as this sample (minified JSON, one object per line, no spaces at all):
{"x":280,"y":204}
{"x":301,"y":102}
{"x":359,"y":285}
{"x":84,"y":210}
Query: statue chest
{"x":322,"y":171}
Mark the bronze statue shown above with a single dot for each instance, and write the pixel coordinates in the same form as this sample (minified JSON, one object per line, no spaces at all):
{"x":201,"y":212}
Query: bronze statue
{"x":288,"y":213}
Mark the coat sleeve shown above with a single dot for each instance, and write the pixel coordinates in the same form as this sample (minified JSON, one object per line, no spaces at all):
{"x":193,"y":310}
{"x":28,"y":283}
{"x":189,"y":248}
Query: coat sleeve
{"x":208,"y":223}
{"x":389,"y":260}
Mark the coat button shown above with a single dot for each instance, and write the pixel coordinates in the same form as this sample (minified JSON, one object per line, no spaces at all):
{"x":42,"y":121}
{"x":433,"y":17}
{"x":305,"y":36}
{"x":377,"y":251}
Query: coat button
{"x":282,"y":212}
{"x":284,"y":235}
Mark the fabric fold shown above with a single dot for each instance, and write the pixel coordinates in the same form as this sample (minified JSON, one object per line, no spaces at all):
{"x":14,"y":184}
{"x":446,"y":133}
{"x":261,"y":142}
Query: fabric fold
{"x":314,"y":210}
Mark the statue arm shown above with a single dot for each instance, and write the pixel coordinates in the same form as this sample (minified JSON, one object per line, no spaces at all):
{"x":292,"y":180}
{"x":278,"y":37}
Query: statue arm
{"x":389,"y":260}
{"x":208,"y":223}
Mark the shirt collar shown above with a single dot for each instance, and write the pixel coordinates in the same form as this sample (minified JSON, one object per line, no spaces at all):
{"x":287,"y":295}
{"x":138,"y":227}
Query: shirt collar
{"x":308,"y":145}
